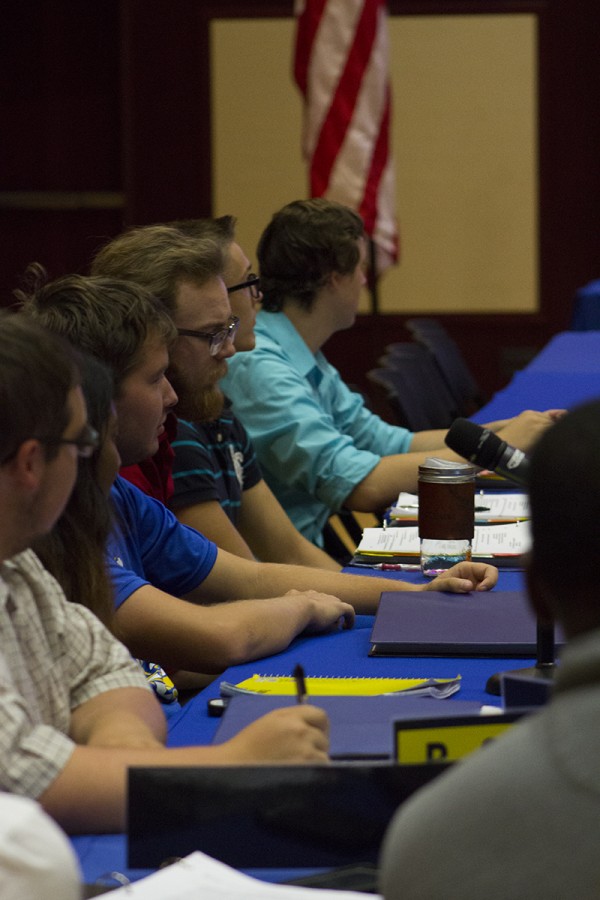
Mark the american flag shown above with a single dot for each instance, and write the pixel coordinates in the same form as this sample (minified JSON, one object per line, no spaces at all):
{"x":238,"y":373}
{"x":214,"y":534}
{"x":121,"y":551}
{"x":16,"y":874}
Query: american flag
{"x":341,"y":68}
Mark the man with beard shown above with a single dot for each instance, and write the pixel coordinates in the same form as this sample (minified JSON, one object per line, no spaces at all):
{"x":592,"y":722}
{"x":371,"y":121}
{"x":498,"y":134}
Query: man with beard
{"x":218,"y":488}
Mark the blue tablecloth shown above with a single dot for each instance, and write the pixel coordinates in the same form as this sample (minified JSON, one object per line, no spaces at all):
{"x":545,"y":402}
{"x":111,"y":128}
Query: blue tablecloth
{"x":569,"y":352}
{"x":540,"y":390}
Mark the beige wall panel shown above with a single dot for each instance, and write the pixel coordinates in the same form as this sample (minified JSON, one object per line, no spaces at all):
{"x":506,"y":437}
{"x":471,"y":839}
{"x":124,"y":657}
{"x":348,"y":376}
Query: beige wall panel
{"x":464,"y":140}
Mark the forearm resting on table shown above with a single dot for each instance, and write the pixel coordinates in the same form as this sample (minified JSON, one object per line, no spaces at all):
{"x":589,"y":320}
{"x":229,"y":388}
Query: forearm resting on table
{"x":264,"y":531}
{"x":392,"y":474}
{"x":185,"y":635}
{"x":290,"y":547}
{"x":89,"y":794}
{"x":362,"y":592}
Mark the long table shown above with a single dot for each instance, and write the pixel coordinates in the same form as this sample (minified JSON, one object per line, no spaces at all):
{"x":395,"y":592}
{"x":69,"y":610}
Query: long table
{"x":565,"y":373}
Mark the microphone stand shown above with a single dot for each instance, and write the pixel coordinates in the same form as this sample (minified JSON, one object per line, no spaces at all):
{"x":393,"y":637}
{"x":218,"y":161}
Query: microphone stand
{"x":545,"y":666}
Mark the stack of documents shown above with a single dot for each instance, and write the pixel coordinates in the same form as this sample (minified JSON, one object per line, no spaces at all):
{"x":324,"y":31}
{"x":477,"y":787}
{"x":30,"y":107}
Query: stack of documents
{"x":199,"y":875}
{"x":503,"y":540}
{"x":489,"y":507}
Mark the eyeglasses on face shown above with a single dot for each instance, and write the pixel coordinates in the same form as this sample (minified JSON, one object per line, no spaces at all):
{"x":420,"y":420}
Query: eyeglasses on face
{"x":216,"y":339}
{"x":86,"y":443}
{"x":252,"y":282}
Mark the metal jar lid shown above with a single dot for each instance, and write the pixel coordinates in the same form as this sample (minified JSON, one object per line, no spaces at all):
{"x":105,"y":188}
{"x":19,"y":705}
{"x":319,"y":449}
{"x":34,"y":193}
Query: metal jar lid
{"x":446,"y":472}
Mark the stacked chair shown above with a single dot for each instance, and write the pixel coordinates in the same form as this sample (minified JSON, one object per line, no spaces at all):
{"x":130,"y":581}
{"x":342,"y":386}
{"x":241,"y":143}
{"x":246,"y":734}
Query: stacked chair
{"x":586,"y":308}
{"x":409,"y":380}
{"x":459,"y":380}
{"x":421,"y":384}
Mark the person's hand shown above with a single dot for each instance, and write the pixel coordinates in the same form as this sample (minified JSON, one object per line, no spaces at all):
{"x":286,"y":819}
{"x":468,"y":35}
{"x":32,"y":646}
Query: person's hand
{"x":464,"y":577}
{"x":293,"y":734}
{"x":525,"y":429}
{"x":327,"y":613}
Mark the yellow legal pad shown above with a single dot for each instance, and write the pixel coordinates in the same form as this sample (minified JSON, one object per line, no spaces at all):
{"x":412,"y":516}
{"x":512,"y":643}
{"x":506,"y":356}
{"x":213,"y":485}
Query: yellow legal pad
{"x":329,"y":686}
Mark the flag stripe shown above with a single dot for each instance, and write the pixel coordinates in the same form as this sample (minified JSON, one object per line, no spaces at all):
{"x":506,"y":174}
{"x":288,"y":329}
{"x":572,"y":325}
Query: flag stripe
{"x":342,"y":105}
{"x":308,"y":24}
{"x":341,"y":68}
{"x":327,"y":59}
{"x":348,"y":178}
{"x":368,"y":207}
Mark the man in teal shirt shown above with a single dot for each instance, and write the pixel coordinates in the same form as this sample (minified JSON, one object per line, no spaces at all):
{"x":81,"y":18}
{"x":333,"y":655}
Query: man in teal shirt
{"x":319,"y":448}
{"x":319,"y":440}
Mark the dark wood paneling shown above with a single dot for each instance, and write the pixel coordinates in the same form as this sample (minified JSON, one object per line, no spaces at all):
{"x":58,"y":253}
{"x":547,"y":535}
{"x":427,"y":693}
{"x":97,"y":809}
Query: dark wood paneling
{"x":59,"y":108}
{"x":166,"y":110}
{"x":115,"y":96}
{"x":59,"y":102}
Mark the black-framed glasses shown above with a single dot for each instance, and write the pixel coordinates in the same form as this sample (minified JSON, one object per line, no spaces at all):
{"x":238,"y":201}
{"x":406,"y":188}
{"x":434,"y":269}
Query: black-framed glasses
{"x":216,"y":339}
{"x":86,"y":443}
{"x":252,"y":282}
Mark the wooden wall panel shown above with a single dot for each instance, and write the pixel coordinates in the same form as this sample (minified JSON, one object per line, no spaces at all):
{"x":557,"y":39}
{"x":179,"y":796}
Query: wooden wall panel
{"x":112,"y":100}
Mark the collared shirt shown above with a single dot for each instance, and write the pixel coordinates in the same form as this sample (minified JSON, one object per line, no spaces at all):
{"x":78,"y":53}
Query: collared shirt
{"x":314,"y":438}
{"x":214,"y":461}
{"x":54,"y":656}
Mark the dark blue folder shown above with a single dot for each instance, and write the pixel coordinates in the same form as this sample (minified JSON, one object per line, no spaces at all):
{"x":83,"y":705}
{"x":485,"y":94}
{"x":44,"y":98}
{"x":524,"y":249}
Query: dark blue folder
{"x":434,"y":623}
{"x":360,"y":727}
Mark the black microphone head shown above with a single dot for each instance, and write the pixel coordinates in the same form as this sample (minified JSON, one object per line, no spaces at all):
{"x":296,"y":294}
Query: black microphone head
{"x":474,"y":443}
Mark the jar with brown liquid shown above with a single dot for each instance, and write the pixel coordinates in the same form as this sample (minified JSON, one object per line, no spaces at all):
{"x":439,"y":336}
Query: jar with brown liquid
{"x":446,"y":513}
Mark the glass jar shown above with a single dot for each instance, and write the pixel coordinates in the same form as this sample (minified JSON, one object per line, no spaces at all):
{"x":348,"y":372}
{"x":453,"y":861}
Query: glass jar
{"x":446,"y":513}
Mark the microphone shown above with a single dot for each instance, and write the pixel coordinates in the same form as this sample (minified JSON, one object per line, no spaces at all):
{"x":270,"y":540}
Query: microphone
{"x":488,"y":451}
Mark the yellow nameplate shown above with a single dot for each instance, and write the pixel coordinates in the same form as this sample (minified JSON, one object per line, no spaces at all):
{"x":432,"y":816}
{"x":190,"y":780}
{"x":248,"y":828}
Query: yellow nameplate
{"x":431,"y":740}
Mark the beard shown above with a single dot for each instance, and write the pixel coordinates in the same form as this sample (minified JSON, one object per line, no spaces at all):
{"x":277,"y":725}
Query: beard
{"x":197,"y":403}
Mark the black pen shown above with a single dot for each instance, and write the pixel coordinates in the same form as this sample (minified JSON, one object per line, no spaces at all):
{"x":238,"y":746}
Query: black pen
{"x":300,"y":683}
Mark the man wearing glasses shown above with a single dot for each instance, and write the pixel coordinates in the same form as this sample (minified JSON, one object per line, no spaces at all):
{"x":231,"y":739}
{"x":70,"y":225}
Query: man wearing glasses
{"x":217,"y":487}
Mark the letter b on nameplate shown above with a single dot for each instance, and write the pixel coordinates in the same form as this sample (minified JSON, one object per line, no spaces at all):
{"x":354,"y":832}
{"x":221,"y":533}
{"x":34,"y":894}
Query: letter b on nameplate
{"x":434,"y":740}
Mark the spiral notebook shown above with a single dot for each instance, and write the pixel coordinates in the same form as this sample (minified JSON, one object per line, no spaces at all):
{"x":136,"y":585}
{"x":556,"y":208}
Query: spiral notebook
{"x":334,"y":686}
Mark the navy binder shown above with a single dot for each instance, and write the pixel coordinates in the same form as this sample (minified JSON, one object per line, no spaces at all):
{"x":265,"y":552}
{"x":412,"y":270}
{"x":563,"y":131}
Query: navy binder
{"x":435,"y":623}
{"x":360,"y":727}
